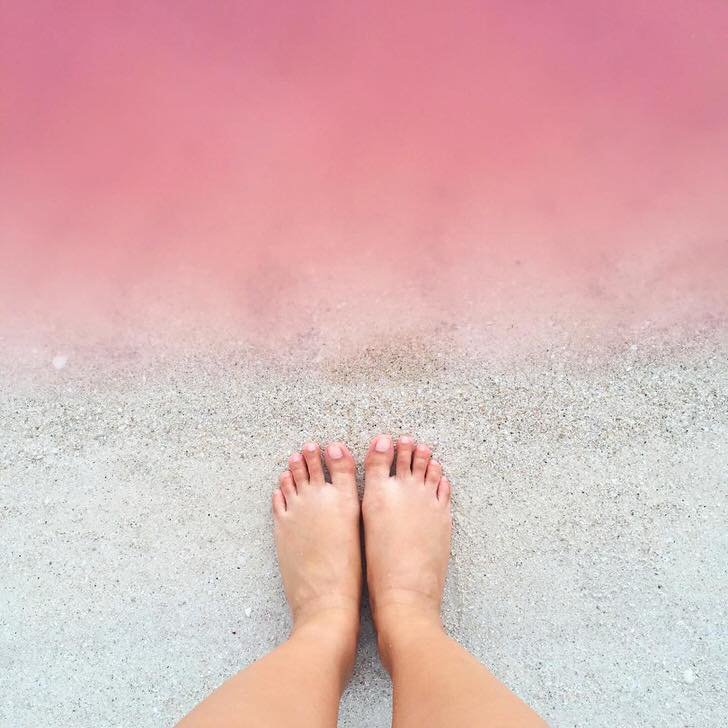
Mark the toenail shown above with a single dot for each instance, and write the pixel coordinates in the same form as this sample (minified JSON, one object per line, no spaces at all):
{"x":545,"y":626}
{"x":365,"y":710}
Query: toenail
{"x":383,"y":443}
{"x":335,"y":451}
{"x":311,"y":447}
{"x":405,"y":440}
{"x":422,"y":449}
{"x":295,"y":457}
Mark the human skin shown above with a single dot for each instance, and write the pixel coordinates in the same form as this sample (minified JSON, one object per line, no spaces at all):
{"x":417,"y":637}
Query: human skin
{"x":407,"y":525}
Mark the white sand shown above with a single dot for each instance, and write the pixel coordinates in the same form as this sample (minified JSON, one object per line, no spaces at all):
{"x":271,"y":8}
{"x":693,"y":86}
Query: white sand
{"x":590,"y":548}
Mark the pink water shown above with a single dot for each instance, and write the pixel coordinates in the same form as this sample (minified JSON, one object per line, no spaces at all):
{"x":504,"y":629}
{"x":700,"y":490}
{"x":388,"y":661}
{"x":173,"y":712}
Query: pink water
{"x":277,"y":162}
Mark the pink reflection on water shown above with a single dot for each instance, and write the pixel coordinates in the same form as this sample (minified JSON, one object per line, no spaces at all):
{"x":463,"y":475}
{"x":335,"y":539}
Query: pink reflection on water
{"x":424,"y":155}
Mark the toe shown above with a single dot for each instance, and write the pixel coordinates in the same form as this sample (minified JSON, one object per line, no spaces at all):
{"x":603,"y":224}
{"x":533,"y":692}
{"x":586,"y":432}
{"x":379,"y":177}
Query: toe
{"x":378,"y":461}
{"x":312,"y":455}
{"x":340,"y":463}
{"x":297,"y":466}
{"x":279,"y":503}
{"x":443,"y":491}
{"x":405,"y":445}
{"x":433,"y":475}
{"x":287,"y":487}
{"x":420,"y":461}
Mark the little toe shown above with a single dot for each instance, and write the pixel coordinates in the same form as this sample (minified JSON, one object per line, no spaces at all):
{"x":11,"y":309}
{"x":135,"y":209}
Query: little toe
{"x":444,"y":490}
{"x":433,"y":475}
{"x":403,"y":466}
{"x":340,"y":463}
{"x":287,"y":487}
{"x":312,"y":455}
{"x":279,"y":503}
{"x":297,"y":466}
{"x":378,"y":461}
{"x":420,"y":461}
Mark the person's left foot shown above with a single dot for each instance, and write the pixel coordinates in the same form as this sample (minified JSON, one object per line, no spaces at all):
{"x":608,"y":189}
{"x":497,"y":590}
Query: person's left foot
{"x":318,"y":544}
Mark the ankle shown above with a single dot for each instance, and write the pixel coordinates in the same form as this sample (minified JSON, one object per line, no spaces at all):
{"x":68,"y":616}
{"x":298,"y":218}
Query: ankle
{"x":334,"y":629}
{"x":394,"y":609}
{"x":340,"y":622}
{"x":401,"y":625}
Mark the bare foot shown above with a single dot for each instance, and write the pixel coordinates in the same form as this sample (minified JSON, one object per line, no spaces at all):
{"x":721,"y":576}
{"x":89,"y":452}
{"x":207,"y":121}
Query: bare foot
{"x":318,"y":544}
{"x":407,"y":526}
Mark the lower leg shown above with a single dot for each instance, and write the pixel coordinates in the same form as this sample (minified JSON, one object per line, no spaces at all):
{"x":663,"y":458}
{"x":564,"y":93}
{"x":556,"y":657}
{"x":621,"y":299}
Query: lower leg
{"x":317,"y":540}
{"x":407,"y":527}
{"x":299,"y":683}
{"x":438,"y":683}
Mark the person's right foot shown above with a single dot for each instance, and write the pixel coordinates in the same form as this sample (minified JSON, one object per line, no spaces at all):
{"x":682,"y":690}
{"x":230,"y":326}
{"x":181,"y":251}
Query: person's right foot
{"x":407,"y":524}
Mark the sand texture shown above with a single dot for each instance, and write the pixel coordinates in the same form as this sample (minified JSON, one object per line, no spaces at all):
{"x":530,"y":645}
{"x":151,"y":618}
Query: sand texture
{"x":590,"y":506}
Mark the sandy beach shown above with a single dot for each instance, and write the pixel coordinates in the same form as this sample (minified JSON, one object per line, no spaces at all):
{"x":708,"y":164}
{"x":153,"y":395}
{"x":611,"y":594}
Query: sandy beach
{"x":590,"y":507}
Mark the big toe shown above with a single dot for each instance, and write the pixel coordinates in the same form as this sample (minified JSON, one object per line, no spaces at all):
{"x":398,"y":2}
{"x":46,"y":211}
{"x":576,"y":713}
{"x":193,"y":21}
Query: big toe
{"x":378,"y":462}
{"x":341,"y":465}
